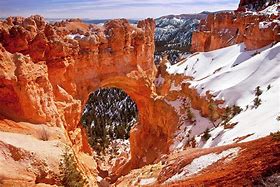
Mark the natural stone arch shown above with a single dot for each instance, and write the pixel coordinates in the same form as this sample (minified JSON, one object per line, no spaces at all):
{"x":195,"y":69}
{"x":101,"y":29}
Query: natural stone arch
{"x":152,"y":135}
{"x":52,"y":85}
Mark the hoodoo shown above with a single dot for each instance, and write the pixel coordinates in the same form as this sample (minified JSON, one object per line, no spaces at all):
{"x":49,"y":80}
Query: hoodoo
{"x":207,"y":108}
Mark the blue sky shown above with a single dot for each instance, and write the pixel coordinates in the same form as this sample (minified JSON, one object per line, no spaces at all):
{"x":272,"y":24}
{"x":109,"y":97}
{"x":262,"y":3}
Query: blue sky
{"x":102,"y":9}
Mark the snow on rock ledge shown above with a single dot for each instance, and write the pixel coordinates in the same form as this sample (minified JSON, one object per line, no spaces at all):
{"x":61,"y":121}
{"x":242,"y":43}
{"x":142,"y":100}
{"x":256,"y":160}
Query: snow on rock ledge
{"x":233,"y":74}
{"x":200,"y":163}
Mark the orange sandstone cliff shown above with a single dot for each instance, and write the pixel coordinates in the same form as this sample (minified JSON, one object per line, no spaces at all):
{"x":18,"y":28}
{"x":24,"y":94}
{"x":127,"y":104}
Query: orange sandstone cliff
{"x":47,"y":72}
{"x":255,"y":29}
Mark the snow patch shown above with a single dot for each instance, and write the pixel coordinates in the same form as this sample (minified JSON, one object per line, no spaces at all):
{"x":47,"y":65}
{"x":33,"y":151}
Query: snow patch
{"x":200,"y":163}
{"x":148,"y":181}
{"x":273,"y":9}
{"x":264,"y":25}
{"x":75,"y":36}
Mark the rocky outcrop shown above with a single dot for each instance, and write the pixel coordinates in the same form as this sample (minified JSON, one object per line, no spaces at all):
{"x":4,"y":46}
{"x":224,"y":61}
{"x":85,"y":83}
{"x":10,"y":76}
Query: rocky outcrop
{"x":255,"y":29}
{"x":47,"y":72}
{"x":255,"y":4}
{"x":235,"y":169}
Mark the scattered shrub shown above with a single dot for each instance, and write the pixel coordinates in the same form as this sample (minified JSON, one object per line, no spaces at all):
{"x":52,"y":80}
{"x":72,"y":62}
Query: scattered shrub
{"x":206,"y":135}
{"x":213,"y":111}
{"x":227,"y":116}
{"x":190,"y":115}
{"x":230,"y":125}
{"x":192,"y":142}
{"x":69,"y":173}
{"x":258,"y":91}
{"x":236,"y":110}
{"x":278,"y":118}
{"x":257,"y":102}
{"x":229,"y":113}
{"x":268,"y":87}
{"x":276,"y":135}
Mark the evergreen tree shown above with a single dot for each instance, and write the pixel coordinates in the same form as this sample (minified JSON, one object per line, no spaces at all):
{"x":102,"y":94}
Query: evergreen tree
{"x":109,"y":114}
{"x":70,"y":175}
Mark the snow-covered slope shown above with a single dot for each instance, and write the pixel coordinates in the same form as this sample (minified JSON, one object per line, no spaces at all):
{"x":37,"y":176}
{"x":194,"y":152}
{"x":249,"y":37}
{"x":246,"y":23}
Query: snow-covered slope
{"x":233,"y":74}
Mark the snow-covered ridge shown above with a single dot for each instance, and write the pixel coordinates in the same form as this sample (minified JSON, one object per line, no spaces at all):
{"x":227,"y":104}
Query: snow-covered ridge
{"x":232,"y":74}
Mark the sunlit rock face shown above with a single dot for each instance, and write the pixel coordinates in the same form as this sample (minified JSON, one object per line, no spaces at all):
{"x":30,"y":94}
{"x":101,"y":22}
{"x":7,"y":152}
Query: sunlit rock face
{"x":47,"y":72}
{"x":255,"y":28}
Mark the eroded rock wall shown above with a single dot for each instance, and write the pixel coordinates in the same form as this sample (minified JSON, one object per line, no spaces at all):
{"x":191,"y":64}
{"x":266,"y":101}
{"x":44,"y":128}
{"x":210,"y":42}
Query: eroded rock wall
{"x":255,"y":4}
{"x":255,"y":29}
{"x":48,"y":70}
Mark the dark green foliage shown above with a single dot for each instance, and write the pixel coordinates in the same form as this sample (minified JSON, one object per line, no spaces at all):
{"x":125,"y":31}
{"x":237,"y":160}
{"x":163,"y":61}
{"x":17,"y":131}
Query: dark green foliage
{"x":258,"y":91}
{"x":229,"y":113}
{"x":257,"y":102}
{"x":268,"y":87}
{"x":214,"y":115}
{"x":190,"y":115}
{"x":276,"y":135}
{"x":236,"y":110}
{"x":70,"y":175}
{"x":206,"y":135}
{"x":109,"y":114}
{"x":192,"y":142}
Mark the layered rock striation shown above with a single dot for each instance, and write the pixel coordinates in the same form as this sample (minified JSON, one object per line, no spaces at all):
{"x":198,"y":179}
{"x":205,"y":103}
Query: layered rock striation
{"x":255,"y":29}
{"x":47,"y":72}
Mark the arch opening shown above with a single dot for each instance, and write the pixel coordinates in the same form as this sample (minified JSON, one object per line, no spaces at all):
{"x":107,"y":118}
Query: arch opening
{"x":108,"y":116}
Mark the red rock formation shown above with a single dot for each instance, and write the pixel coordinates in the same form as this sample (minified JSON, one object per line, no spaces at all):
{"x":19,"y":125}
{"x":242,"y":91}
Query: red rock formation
{"x":220,"y":30}
{"x":255,"y":4}
{"x":238,"y":172}
{"x":46,"y":77}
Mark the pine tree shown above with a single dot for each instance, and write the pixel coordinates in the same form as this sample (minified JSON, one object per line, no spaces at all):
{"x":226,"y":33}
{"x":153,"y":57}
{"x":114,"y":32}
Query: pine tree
{"x":70,"y":175}
{"x":206,"y":135}
{"x":258,"y":91}
{"x":109,"y":114}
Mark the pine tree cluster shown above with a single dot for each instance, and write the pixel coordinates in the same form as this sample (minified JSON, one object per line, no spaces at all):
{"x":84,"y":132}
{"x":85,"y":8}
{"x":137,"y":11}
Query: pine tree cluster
{"x":108,"y":115}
